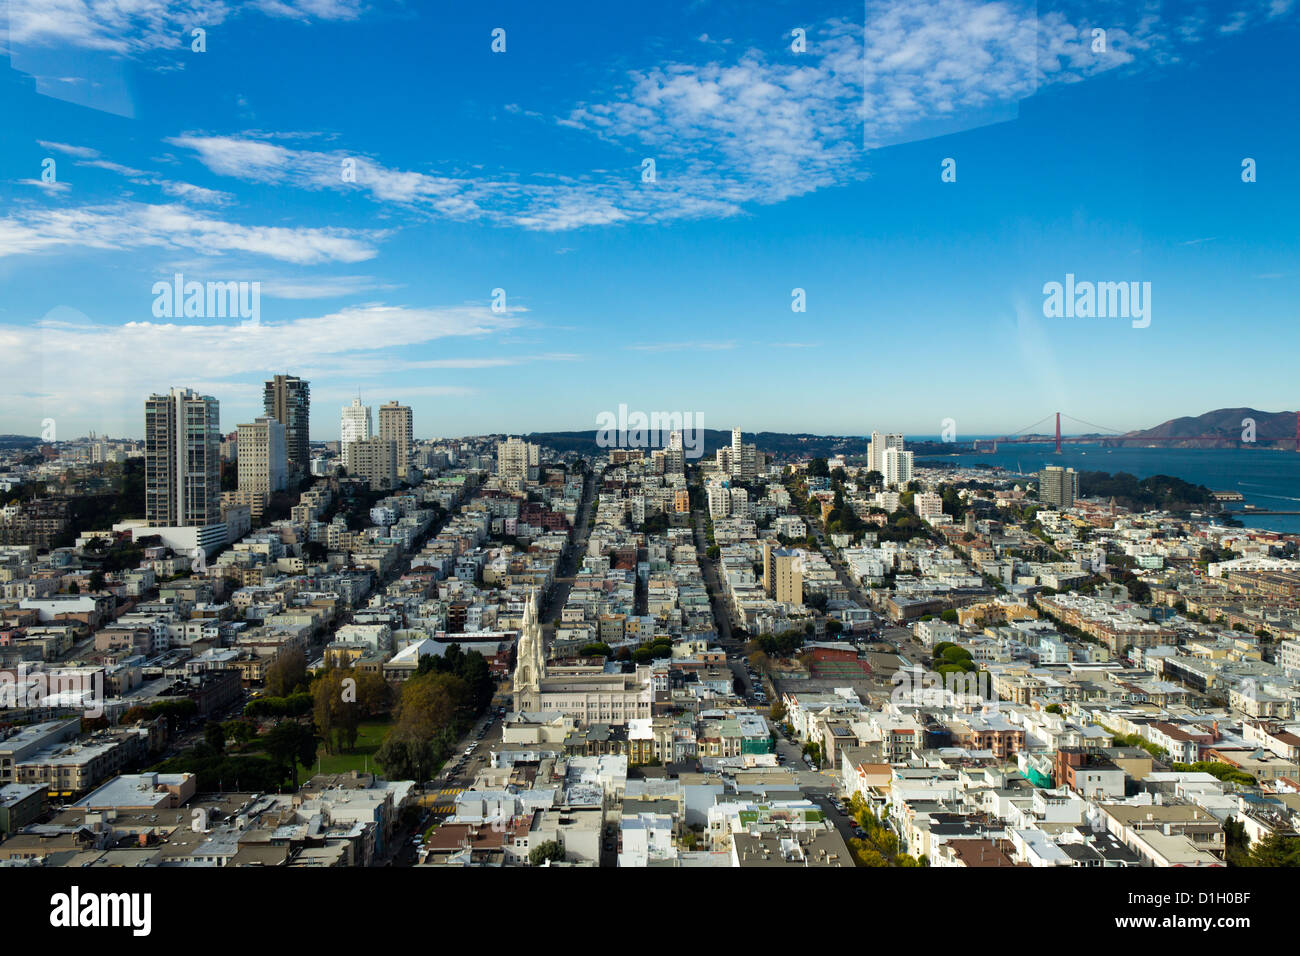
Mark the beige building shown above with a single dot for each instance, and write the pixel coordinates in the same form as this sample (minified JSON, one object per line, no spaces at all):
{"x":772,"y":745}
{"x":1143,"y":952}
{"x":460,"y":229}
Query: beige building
{"x":517,"y":458}
{"x":374,"y":459}
{"x":395,"y":425}
{"x":262,"y":463}
{"x":783,"y":574}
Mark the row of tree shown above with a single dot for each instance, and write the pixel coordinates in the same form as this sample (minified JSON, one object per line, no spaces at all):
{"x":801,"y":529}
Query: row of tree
{"x":434,"y":709}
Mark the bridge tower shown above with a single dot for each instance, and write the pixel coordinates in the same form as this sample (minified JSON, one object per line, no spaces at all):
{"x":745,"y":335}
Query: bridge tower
{"x":1058,"y":431}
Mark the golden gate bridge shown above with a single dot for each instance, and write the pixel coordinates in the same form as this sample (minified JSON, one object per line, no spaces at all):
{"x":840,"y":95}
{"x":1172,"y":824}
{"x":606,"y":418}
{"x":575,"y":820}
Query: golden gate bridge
{"x":1028,"y":436}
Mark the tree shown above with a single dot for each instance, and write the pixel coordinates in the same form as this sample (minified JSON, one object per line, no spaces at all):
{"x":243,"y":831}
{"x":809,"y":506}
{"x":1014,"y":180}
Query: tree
{"x":290,"y":743}
{"x":215,"y":736}
{"x":286,"y":673}
{"x":241,"y":731}
{"x":96,"y":581}
{"x":430,"y":703}
{"x":1276,"y":850}
{"x":404,"y":756}
{"x":545,"y":852}
{"x":335,"y":708}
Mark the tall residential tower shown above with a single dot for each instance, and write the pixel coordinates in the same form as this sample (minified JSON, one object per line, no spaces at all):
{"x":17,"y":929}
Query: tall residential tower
{"x":395,"y":425}
{"x":182,"y":460}
{"x":355,"y":423}
{"x":287,"y":399}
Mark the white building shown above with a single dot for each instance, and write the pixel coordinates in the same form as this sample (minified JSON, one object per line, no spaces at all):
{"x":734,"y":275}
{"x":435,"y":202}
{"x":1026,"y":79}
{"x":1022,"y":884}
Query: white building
{"x":896,"y":467}
{"x":355,"y":424}
{"x":927,"y":505}
{"x":880,"y":443}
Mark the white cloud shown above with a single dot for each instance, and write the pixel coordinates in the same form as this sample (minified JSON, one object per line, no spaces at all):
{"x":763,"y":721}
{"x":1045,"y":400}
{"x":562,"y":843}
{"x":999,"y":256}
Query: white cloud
{"x":323,"y":287}
{"x":54,"y":186}
{"x":131,"y":27}
{"x":762,"y":125}
{"x":71,"y":368}
{"x":81,"y":152}
{"x":683,"y":347}
{"x":177,"y":190}
{"x":131,"y":225}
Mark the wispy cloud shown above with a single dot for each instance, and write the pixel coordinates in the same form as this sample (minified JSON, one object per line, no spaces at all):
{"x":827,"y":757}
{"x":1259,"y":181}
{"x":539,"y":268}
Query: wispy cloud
{"x":322,"y":287}
{"x":756,"y":126}
{"x":80,"y":152}
{"x":131,"y":225}
{"x":112,"y":365}
{"x":683,"y":347}
{"x":133,"y":27}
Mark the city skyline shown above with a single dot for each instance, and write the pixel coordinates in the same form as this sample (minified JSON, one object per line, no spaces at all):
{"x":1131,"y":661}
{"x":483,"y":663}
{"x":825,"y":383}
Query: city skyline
{"x":378,"y":246}
{"x":695,"y":437}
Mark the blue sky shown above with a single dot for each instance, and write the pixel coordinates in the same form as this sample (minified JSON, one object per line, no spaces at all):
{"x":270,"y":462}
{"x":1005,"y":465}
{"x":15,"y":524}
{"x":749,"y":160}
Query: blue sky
{"x":775,"y":170}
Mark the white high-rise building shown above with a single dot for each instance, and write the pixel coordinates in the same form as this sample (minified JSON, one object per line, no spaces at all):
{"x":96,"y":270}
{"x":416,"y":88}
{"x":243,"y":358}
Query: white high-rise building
{"x":182,"y":460}
{"x":742,"y":460}
{"x":675,"y":455}
{"x":881,"y":443}
{"x":355,"y":424}
{"x":896,"y":467}
{"x":182,"y":472}
{"x":719,"y":497}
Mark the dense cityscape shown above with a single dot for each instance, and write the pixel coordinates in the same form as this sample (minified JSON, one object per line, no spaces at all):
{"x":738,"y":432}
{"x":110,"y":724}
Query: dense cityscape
{"x":386,"y":651}
{"x":467,"y":442}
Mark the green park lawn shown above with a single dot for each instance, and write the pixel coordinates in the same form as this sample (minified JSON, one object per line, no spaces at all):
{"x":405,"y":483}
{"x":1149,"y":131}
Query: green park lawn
{"x":370,"y":735}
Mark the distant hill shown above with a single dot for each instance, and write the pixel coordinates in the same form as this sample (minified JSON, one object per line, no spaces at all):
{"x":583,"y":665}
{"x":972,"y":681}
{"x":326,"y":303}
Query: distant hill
{"x":1221,"y":428}
{"x":780,"y":444}
{"x":18,"y":441}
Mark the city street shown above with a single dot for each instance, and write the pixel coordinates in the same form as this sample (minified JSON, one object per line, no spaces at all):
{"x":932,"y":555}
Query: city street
{"x":571,"y":560}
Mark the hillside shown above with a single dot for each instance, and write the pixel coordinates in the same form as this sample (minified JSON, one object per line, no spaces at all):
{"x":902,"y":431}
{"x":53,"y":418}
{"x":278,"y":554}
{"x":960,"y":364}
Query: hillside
{"x":1219,"y":428}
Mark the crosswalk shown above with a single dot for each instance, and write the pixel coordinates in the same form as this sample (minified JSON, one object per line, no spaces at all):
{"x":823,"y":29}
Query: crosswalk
{"x":441,"y":801}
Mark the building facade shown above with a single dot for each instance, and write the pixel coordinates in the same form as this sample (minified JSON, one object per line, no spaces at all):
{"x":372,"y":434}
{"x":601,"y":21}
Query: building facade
{"x":395,"y":425}
{"x":182,"y":459}
{"x":287,"y":399}
{"x":262,"y":462}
